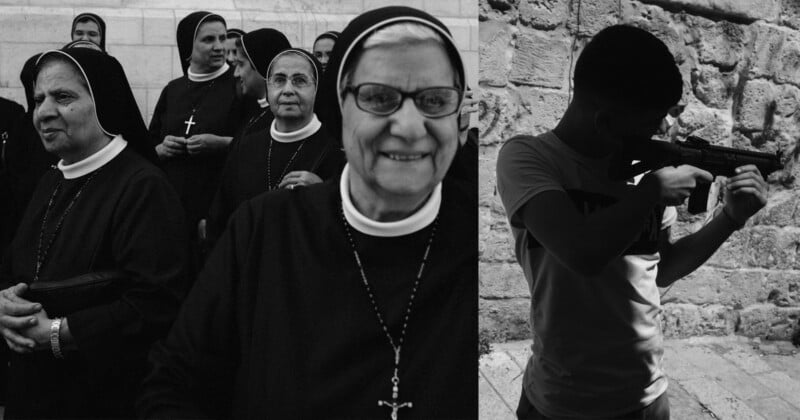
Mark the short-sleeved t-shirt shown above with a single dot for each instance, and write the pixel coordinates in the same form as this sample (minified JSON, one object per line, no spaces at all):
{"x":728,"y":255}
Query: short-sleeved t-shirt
{"x":597,"y":342}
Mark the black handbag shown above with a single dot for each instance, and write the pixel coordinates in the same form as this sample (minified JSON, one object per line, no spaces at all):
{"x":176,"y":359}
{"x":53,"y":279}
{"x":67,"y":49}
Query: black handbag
{"x":62,"y":297}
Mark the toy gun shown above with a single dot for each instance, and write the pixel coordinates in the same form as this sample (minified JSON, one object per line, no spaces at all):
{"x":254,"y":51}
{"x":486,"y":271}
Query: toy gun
{"x":697,"y":152}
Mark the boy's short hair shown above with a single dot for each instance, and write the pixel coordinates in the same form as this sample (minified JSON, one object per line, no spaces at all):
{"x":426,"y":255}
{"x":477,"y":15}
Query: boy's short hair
{"x":628,"y":66}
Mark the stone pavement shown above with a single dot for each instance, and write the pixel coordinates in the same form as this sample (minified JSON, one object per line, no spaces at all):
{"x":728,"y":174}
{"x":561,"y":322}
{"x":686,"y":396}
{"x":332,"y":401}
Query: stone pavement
{"x":710,"y":378}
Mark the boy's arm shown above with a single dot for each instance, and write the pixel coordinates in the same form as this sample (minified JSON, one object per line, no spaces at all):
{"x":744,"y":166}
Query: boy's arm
{"x":587,"y":244}
{"x":745,"y":195}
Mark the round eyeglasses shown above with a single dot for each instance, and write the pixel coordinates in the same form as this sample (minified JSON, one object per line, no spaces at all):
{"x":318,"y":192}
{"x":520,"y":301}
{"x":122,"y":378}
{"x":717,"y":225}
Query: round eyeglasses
{"x":383,"y":100}
{"x":298,"y":81}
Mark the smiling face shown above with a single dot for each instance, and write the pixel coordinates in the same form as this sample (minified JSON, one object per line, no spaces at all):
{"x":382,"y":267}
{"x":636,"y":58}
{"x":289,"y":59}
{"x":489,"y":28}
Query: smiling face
{"x":252,"y":83}
{"x":322,"y":51}
{"x":293,"y":106}
{"x":403,"y":155}
{"x":64,"y":115}
{"x":88,"y":31}
{"x":208,"y":50}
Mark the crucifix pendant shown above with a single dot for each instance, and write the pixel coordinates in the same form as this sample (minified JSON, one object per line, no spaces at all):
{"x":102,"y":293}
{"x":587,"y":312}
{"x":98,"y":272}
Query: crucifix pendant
{"x":394,"y":405}
{"x":189,"y":123}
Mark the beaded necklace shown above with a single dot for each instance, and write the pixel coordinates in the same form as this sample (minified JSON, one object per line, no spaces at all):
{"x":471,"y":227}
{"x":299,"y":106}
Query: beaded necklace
{"x":42,"y":251}
{"x":396,"y":348}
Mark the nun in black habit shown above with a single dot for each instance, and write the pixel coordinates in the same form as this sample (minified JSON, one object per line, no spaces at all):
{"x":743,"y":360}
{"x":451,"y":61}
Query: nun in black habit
{"x":255,"y":51}
{"x":353,"y":298}
{"x":89,"y":27}
{"x":105,"y":208}
{"x":295,"y":150}
{"x":323,"y":46}
{"x":197,"y":115}
{"x":24,"y":159}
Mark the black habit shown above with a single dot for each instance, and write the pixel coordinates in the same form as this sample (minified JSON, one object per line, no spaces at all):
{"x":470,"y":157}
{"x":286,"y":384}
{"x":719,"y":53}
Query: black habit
{"x":245,"y":174}
{"x":279,"y":324}
{"x":217,"y":111}
{"x":126,"y":217}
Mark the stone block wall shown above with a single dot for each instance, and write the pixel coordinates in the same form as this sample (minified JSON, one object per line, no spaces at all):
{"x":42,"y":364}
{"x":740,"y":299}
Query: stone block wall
{"x":141,"y":33}
{"x":740,"y":61}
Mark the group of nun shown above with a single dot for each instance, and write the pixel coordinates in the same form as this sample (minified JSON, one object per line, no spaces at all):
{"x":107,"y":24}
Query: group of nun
{"x":294,"y":235}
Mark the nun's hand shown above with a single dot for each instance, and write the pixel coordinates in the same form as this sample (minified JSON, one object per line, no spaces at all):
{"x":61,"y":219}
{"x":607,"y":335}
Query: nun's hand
{"x":17,"y":314}
{"x":171,"y":146}
{"x":207,"y":143}
{"x":299,"y":179}
{"x":39,"y":333}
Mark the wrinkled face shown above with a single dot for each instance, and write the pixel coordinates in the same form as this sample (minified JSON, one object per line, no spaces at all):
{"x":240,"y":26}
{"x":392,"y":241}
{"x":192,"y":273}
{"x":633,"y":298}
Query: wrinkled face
{"x":287,"y":100}
{"x":403,"y":154}
{"x":230,"y":50}
{"x":64,"y":113}
{"x":322,"y":51}
{"x":88,"y":31}
{"x":208,"y":51}
{"x":251,"y":81}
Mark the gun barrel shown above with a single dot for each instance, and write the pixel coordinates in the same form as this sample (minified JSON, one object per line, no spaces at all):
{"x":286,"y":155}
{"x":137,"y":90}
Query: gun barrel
{"x":718,"y":160}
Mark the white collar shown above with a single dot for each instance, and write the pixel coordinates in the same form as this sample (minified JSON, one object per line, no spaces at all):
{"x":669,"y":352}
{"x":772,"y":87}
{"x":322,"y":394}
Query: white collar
{"x":204,"y":77}
{"x":414,"y":223}
{"x":262,"y":102}
{"x":94,"y":162}
{"x":303,"y":133}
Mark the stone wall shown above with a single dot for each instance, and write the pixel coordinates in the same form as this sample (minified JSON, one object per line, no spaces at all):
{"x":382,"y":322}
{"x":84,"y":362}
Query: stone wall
{"x":740,"y":61}
{"x":141,"y":33}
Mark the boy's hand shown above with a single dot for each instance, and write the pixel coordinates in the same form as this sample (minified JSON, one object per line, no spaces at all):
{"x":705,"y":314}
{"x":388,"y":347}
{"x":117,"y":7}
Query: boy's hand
{"x":676,"y":183}
{"x":745,"y":193}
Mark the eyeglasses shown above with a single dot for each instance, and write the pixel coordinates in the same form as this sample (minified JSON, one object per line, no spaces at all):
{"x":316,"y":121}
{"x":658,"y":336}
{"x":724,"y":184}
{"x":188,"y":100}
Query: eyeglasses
{"x":383,"y":100}
{"x":298,"y":81}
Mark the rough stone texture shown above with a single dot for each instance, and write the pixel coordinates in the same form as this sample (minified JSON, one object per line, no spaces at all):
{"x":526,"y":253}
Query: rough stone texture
{"x":505,"y":10}
{"x":790,"y":14}
{"x":722,"y":44}
{"x":496,"y":244}
{"x":762,"y":247}
{"x":685,"y":320}
{"x":590,"y":16}
{"x":788,"y":100}
{"x":543,"y":14}
{"x":502,"y":281}
{"x":540,"y":59}
{"x":714,"y":88}
{"x":758,"y":104}
{"x":782,"y":210}
{"x":656,"y":21}
{"x":495,"y":38}
{"x":748,"y":10}
{"x":711,"y":124}
{"x":504,"y":319}
{"x":740,"y":62}
{"x":525,"y":110}
{"x":769,"y":321}
{"x":776,"y":53}
{"x":736,"y":288}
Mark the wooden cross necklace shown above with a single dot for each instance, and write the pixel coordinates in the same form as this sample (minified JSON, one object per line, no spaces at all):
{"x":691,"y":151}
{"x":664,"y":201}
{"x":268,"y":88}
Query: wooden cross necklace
{"x":395,"y":405}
